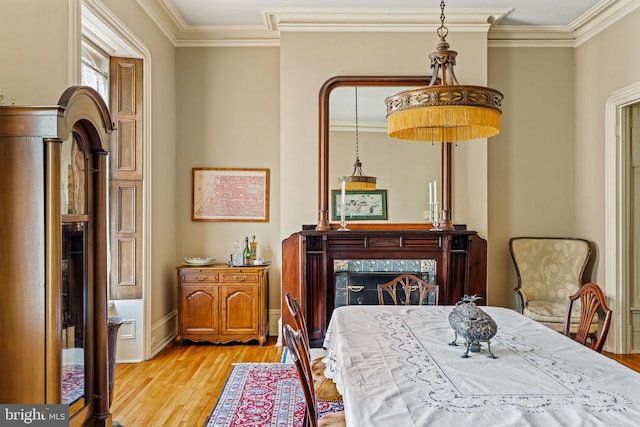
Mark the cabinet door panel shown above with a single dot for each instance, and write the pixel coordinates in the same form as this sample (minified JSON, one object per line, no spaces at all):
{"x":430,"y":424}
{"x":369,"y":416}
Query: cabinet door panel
{"x":199,"y":309}
{"x":239,"y":309}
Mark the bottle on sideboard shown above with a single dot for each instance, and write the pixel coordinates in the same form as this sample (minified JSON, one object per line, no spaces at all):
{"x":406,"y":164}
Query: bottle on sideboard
{"x":236,"y":260}
{"x":246,"y":255}
{"x":253,"y":245}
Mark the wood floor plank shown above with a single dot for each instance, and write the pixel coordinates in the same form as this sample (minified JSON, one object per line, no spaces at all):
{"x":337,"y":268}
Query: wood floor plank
{"x":181,"y":385}
{"x":630,"y":360}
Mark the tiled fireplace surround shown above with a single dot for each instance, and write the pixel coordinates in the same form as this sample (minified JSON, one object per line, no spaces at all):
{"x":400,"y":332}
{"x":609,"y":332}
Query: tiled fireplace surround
{"x":356,"y":280}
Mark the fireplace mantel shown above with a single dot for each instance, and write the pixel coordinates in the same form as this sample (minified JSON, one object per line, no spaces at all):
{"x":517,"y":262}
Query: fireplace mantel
{"x":308,"y":259}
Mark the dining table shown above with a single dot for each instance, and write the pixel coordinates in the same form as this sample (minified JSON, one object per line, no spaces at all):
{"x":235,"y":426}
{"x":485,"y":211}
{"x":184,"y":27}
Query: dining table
{"x":396,"y":366}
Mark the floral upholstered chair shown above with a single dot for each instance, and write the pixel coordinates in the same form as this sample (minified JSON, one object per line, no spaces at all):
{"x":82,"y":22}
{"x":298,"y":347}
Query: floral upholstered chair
{"x":549,"y":270}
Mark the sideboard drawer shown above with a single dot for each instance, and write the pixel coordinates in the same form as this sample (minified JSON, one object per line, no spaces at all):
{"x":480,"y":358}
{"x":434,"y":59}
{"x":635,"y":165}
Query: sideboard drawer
{"x":240,"y":277}
{"x":199,"y":276}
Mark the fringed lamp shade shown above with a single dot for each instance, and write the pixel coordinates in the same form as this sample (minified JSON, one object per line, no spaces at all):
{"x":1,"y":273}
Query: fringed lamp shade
{"x":358,"y":180}
{"x":444,"y":111}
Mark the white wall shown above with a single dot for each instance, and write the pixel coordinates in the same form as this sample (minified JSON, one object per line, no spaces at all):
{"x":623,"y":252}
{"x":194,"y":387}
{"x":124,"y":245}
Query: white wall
{"x":35,"y":51}
{"x":228,"y":116}
{"x":531,"y":162}
{"x":607,"y":64}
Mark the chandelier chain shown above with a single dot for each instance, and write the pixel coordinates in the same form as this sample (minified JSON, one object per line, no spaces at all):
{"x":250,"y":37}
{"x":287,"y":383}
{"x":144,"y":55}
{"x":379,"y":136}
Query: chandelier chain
{"x":357,"y":151}
{"x":443,"y":31}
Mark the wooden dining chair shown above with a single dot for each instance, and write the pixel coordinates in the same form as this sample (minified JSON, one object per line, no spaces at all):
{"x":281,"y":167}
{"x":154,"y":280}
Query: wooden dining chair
{"x":299,"y":349}
{"x":411,"y":285}
{"x":324,"y":387}
{"x":591,"y":300}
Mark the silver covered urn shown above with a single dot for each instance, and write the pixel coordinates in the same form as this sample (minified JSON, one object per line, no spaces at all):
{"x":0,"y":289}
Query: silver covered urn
{"x":472,"y":324}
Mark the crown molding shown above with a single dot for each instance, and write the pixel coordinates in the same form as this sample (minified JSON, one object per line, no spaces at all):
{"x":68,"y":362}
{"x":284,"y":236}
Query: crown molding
{"x":530,"y":36}
{"x":293,"y":19}
{"x":602,"y":15}
{"x":277,"y":20}
{"x":380,"y":20}
{"x":595,"y":20}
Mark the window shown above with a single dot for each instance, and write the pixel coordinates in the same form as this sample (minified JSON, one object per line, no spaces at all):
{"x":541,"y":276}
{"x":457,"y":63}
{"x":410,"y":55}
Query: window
{"x":95,"y":69}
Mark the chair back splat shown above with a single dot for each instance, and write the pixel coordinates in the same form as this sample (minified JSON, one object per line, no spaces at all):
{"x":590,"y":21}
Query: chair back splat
{"x":296,"y":312}
{"x":591,"y":300}
{"x":325,"y":389}
{"x":296,"y":344}
{"x":300,"y":356}
{"x":408,"y":289}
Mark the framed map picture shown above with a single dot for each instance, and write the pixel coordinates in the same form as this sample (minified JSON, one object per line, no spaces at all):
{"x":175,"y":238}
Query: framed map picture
{"x":363,"y":204}
{"x":225,"y":194}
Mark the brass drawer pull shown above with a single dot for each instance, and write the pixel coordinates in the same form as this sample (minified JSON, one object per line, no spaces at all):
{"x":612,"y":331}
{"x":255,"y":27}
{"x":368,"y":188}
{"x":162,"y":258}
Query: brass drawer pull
{"x":244,"y":277}
{"x":355,"y":288}
{"x":188,"y":278}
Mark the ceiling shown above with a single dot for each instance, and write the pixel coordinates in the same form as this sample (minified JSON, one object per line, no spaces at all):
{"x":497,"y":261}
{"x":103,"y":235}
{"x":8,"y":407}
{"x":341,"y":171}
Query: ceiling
{"x":259,"y":22}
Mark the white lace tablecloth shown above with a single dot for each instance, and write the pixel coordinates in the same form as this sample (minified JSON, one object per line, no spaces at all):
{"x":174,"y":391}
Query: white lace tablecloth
{"x":394,"y":367}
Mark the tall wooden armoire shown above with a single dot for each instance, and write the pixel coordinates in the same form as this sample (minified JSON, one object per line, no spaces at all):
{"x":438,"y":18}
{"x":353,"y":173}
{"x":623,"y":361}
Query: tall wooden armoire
{"x":53,"y":255}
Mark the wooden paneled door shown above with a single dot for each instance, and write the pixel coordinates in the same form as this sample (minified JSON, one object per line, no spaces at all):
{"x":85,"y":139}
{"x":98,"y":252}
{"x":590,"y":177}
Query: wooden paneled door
{"x":126,"y":179}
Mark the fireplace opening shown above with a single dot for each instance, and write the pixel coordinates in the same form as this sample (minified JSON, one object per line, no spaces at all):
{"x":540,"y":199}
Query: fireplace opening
{"x":356,"y":281}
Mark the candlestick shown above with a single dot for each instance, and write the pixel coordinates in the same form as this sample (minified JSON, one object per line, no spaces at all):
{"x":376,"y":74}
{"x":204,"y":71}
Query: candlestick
{"x":435,"y":191}
{"x":343,"y":202}
{"x":435,"y":217}
{"x":430,"y":193}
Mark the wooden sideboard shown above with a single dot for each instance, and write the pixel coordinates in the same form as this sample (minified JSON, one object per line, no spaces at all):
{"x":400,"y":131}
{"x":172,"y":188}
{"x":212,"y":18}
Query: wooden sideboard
{"x":308,"y":265}
{"x":220,"y":303}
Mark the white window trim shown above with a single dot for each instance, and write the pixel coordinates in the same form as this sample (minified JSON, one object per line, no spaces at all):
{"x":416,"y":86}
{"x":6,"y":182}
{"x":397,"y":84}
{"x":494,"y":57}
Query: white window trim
{"x":93,"y":18}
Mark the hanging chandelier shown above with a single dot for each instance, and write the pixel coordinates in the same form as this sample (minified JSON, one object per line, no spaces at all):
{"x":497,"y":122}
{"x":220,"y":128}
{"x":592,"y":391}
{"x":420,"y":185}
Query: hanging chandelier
{"x":444,"y":111}
{"x":358,"y":180}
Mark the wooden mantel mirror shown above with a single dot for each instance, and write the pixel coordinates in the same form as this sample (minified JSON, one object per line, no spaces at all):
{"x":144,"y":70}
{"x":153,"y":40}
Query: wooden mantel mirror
{"x":403,"y":168}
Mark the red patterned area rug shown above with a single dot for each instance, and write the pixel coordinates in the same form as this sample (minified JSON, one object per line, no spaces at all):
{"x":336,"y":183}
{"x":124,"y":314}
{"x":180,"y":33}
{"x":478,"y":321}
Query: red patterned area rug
{"x":263,"y":394}
{"x":72,"y":383}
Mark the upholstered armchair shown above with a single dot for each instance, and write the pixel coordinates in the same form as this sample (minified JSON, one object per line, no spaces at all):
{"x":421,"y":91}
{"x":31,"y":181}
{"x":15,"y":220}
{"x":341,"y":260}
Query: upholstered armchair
{"x":549,"y":270}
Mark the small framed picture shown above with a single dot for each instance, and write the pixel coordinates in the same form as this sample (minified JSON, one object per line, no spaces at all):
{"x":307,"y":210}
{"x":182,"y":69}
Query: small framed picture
{"x":225,"y":194}
{"x":360,"y":204}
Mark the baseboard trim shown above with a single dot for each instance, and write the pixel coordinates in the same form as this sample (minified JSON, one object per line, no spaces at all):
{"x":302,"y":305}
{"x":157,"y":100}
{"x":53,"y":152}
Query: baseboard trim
{"x":274,"y":317}
{"x":167,"y":328}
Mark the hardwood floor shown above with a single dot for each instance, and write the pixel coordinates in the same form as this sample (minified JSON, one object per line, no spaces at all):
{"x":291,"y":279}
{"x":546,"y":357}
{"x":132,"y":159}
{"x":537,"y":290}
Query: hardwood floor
{"x":180,"y":386}
{"x":630,"y":360}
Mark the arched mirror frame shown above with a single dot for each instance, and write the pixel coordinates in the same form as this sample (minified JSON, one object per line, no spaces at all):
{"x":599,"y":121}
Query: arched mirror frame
{"x":323,"y":145}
